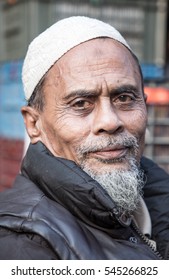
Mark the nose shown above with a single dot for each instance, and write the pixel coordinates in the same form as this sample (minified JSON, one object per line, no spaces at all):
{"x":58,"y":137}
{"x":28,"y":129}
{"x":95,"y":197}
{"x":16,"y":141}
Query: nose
{"x":107,"y":119}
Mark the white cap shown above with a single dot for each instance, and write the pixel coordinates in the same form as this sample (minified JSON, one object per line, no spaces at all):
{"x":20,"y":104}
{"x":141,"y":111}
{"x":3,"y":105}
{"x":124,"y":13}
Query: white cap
{"x":58,"y":39}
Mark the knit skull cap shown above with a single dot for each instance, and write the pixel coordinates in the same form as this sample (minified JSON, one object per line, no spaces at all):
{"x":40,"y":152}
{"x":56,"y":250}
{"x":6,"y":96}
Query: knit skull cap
{"x":58,"y":39}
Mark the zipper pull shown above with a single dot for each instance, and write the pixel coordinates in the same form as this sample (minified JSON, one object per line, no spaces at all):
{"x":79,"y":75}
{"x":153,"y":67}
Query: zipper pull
{"x":122,"y":218}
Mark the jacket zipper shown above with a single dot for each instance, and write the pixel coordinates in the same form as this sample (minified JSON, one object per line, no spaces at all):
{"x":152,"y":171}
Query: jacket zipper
{"x":146,"y":241}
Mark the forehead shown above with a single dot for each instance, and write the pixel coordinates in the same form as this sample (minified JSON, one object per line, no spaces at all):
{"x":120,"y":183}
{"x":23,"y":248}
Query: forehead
{"x":100,"y":48}
{"x":93,"y":61}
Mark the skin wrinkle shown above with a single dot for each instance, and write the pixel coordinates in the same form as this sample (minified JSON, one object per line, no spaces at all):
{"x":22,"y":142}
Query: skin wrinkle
{"x":36,"y":99}
{"x":94,"y":98}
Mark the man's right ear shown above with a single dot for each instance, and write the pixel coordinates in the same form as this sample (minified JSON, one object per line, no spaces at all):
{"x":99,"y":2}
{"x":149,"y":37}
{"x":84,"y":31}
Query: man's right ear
{"x":31,"y":120}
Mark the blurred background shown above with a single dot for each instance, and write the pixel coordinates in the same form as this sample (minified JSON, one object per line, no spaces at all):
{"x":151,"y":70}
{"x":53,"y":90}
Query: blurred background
{"x":144,"y":24}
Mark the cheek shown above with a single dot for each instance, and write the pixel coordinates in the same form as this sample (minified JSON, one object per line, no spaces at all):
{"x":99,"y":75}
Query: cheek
{"x":137,"y":126}
{"x":136,"y":122}
{"x":70,"y":130}
{"x":141,"y":119}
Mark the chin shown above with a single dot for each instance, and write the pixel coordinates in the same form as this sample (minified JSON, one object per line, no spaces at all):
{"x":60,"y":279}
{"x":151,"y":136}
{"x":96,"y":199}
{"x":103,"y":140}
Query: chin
{"x":108,"y":166}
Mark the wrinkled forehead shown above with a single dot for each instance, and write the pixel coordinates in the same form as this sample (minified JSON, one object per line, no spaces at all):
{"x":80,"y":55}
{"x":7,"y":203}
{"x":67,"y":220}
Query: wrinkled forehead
{"x":96,"y":54}
{"x":97,"y":59}
{"x":96,"y":48}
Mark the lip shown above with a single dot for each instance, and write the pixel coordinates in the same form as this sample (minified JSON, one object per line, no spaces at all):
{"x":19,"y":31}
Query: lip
{"x":111,"y":153}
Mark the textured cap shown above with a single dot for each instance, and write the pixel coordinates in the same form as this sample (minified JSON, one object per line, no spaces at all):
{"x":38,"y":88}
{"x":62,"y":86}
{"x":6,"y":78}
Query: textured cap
{"x":58,"y":39}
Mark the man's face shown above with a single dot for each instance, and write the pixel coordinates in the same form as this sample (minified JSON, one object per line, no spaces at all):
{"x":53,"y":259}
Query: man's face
{"x":95,"y":111}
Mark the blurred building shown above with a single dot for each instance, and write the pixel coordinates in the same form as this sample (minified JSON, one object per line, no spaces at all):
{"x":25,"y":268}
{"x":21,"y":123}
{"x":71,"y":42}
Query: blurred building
{"x":143,"y":23}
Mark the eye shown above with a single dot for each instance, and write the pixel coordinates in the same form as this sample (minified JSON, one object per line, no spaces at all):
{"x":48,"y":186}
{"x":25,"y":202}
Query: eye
{"x":125,"y":98}
{"x":82,"y":105}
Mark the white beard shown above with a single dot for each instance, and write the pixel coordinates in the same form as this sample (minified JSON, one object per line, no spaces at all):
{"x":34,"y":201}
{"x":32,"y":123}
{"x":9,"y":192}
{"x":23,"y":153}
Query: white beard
{"x":124,"y":187}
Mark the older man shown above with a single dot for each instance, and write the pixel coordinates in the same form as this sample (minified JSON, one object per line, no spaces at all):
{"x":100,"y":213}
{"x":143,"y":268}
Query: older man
{"x":79,"y":194}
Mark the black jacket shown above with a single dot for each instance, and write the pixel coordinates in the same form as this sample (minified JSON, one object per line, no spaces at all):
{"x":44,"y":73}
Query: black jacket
{"x":56,"y":211}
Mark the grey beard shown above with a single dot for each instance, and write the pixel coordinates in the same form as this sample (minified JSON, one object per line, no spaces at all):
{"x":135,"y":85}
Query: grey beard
{"x":124,"y":187}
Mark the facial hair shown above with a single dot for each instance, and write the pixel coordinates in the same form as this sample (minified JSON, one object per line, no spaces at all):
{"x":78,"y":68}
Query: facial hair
{"x":123,"y":186}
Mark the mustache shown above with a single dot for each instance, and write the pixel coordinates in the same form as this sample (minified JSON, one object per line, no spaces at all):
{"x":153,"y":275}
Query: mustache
{"x":110,"y":142}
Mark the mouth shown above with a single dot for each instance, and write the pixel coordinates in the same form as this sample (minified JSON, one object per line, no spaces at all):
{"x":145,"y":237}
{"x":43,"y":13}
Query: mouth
{"x":110,"y":154}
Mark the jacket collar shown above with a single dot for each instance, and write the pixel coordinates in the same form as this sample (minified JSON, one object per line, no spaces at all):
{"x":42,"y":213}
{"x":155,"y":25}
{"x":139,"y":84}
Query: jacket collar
{"x":66,"y":183}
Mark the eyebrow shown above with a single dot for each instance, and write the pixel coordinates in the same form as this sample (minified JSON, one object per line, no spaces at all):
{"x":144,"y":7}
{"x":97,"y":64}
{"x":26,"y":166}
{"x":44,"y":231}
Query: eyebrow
{"x":93,"y":93}
{"x":124,"y":88}
{"x":81,"y":93}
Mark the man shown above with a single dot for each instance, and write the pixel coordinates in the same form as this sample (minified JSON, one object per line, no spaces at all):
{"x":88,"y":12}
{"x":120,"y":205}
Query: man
{"x":83,"y":181}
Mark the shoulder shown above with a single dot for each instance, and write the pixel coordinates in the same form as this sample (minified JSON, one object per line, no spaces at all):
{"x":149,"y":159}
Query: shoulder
{"x":16,"y":241}
{"x":155,"y":175}
{"x":31,"y":221}
{"x":156,"y":196}
{"x":25,"y":246}
{"x":156,"y":183}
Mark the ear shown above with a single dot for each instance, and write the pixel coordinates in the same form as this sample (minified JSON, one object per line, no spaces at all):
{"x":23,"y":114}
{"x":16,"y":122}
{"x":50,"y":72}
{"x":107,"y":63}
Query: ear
{"x":31,"y":120}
